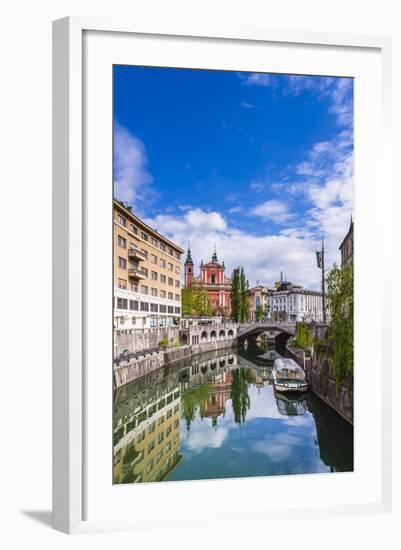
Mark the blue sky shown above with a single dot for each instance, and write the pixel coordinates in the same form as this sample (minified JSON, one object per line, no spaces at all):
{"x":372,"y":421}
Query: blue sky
{"x":259,"y":164}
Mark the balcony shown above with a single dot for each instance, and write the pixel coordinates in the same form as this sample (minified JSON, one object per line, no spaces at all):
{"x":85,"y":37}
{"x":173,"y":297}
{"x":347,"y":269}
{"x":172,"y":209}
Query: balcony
{"x":135,"y":273}
{"x":136,"y":254}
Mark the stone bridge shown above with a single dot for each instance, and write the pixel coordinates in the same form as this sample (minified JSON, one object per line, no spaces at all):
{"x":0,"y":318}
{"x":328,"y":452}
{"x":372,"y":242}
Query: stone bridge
{"x":253,"y":330}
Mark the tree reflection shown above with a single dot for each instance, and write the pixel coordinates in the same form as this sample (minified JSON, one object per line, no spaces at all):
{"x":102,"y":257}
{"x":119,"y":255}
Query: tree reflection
{"x":192,"y":401}
{"x":241,"y":378}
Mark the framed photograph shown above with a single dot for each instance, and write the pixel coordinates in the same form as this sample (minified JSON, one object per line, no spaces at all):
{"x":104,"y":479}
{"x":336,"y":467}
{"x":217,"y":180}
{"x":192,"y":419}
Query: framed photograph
{"x":220,"y":206}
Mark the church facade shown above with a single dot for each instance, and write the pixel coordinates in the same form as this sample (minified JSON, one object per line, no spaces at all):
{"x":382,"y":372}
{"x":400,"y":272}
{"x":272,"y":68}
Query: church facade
{"x":213,"y":279}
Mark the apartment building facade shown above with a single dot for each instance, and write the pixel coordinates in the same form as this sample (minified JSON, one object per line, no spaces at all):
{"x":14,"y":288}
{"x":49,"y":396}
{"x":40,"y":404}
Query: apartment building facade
{"x":147,"y":274}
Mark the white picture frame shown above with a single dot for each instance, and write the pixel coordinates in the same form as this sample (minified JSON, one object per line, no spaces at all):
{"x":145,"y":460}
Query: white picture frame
{"x":70,"y":334}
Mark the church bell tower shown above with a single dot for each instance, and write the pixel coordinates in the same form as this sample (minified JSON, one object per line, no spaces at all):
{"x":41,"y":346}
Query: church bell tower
{"x":188,"y":268}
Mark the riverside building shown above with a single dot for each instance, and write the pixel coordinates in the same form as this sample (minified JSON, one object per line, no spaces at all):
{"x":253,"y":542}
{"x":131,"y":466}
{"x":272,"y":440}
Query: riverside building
{"x":147,"y":274}
{"x":287,"y":302}
{"x":213,"y":279}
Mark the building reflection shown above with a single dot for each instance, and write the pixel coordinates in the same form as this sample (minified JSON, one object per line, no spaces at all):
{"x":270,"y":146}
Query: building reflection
{"x":147,"y":415}
{"x":147,"y":431}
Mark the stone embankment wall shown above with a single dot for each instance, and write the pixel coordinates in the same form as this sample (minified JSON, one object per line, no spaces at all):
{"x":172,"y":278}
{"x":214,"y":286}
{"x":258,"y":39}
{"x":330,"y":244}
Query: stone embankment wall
{"x":136,"y":340}
{"x":128,"y":371}
{"x":322,"y":381}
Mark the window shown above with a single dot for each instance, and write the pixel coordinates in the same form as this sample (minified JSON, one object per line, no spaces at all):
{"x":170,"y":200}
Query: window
{"x":170,"y":295}
{"x":133,"y":320}
{"x":145,"y":271}
{"x":168,"y":431}
{"x":163,"y":309}
{"x":144,"y":236}
{"x":161,"y":419}
{"x":122,"y":283}
{"x":160,"y":437}
{"x":151,"y":446}
{"x":177,"y":269}
{"x":152,"y":427}
{"x":154,"y":291}
{"x":134,"y":286}
{"x":162,"y":278}
{"x":133,"y":229}
{"x":122,"y":263}
{"x":178,"y":310}
{"x":170,"y":309}
{"x":170,"y":281}
{"x":177,"y":297}
{"x":153,"y":241}
{"x":177,"y":255}
{"x":154,"y":308}
{"x":144,"y":306}
{"x":122,"y":303}
{"x":162,"y":247}
{"x":121,"y":220}
{"x":154,"y":275}
{"x":144,"y":289}
{"x":122,"y":242}
{"x":153,"y":259}
{"x":170,"y":266}
{"x":162,"y":262}
{"x":170,"y":251}
{"x":169,"y":413}
{"x":176,"y":422}
{"x":134,"y":305}
{"x":177,"y":284}
{"x":162,"y":294}
{"x":144,"y":252}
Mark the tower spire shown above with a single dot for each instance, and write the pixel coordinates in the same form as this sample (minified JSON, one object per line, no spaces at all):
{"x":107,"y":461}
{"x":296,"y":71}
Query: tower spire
{"x":214,"y":256}
{"x":189,"y":258}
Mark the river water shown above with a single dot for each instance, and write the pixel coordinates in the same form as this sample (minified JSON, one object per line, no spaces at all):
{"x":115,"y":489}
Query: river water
{"x":217,"y":416}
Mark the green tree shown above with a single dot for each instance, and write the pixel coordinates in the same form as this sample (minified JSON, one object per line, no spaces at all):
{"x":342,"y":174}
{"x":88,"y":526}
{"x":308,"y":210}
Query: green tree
{"x":195,"y":301}
{"x":235,"y":295}
{"x":260,"y":312}
{"x":244,"y":297}
{"x":239,"y":296}
{"x":340,"y":294}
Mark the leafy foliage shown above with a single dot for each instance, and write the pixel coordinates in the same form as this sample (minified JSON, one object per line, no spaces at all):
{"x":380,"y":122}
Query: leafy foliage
{"x":304,"y":335}
{"x":239,"y":393}
{"x":239,"y":296}
{"x":195,"y":301}
{"x":260,"y":312}
{"x":340,"y":293}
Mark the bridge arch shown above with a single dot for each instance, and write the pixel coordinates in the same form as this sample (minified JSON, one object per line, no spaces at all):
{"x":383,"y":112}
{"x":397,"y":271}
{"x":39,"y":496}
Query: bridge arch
{"x":222,"y":334}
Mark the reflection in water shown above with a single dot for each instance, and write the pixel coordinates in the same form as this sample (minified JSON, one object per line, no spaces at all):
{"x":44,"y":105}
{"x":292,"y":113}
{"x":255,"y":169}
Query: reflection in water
{"x":217,"y":415}
{"x":291,"y":405}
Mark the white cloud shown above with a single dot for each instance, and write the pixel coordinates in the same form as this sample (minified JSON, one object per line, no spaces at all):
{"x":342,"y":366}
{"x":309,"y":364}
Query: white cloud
{"x":247,"y":105}
{"x":258,"y":79}
{"x":130,"y":164}
{"x":262,"y":256}
{"x":257,"y":186}
{"x":205,"y":437}
{"x":236,"y":210}
{"x":274,"y":210}
{"x":337,"y":89}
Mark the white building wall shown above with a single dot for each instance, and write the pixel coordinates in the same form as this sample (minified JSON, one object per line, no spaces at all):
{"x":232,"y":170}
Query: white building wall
{"x":123,"y":318}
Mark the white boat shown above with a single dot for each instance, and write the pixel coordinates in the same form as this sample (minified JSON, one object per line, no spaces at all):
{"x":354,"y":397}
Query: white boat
{"x":288,"y":376}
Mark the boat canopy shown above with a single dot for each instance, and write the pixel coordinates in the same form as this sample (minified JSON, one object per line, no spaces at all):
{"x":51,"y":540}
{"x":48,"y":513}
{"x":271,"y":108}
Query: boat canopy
{"x":287,"y":369}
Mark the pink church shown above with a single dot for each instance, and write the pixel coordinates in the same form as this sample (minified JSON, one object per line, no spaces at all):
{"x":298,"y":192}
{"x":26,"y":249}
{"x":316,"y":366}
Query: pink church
{"x":213,"y":279}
